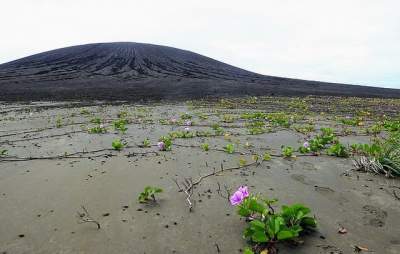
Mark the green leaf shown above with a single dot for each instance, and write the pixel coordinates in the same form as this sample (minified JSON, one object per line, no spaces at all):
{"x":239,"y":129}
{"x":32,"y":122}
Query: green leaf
{"x":285,"y":234}
{"x":259,"y":237}
{"x":255,"y":206}
{"x":257,"y":225}
{"x":309,"y":222}
{"x":248,"y":251}
{"x":244,"y":212}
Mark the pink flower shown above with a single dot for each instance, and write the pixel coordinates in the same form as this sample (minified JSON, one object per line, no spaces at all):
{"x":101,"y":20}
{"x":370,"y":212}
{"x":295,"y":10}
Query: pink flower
{"x":173,"y":120}
{"x":239,"y":195}
{"x":244,"y":190}
{"x":161,"y":146}
{"x":306,"y":145}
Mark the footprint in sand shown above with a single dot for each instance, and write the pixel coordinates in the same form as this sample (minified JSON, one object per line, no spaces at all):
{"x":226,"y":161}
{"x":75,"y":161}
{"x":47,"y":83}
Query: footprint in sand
{"x":308,"y":166}
{"x":374,"y":216}
{"x":331,"y":194}
{"x":324,"y":190}
{"x":302,"y":179}
{"x":329,"y":249}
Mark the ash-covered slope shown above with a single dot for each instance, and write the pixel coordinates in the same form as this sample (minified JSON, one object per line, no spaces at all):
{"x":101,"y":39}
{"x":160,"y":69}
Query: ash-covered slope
{"x":133,"y":71}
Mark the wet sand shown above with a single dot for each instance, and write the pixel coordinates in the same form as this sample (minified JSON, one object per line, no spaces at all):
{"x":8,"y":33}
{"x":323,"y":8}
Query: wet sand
{"x":39,"y":197}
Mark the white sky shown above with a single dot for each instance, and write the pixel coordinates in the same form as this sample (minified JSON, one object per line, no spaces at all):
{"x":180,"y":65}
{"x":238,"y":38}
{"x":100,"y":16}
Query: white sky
{"x":346,"y":41}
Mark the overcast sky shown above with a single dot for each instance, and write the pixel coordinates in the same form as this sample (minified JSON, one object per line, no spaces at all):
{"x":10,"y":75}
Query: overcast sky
{"x":346,"y":41}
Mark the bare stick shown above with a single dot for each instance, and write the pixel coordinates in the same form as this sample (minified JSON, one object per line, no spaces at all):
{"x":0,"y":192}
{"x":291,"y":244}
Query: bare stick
{"x":187,"y":189}
{"x":85,"y":217}
{"x":188,"y":184}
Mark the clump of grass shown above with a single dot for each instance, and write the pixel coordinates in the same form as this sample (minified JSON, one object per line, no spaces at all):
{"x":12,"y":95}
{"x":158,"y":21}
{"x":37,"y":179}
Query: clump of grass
{"x":382,"y":157}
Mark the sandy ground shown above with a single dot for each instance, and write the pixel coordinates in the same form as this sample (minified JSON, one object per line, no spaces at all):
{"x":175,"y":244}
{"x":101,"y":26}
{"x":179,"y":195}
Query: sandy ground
{"x":39,"y":198}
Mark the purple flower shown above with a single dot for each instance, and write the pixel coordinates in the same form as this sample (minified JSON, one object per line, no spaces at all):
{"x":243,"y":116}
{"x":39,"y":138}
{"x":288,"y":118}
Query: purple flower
{"x":161,"y":146}
{"x":239,"y":195}
{"x":188,"y":123}
{"x":244,"y":190}
{"x":306,"y":144}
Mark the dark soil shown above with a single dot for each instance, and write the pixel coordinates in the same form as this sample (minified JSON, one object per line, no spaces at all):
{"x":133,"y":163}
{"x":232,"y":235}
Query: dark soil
{"x":136,"y":71}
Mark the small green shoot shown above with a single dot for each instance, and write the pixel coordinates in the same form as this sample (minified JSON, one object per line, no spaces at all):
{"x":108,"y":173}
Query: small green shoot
{"x":230,"y":148}
{"x":148,"y":194}
{"x":117,"y":145}
{"x":205,"y":147}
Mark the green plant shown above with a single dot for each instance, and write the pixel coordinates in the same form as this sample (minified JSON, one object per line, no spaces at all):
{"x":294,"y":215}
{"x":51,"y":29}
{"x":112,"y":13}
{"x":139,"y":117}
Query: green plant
{"x":95,"y":120}
{"x":267,"y":227}
{"x":205,"y":147}
{"x":217,"y":129}
{"x":279,"y":119}
{"x":266,"y":157}
{"x":352,"y":121}
{"x":392,"y":125}
{"x":383,"y":156}
{"x":229,"y":148}
{"x":242,"y":162}
{"x":122,"y":114}
{"x":97,"y":129}
{"x":374,"y":129}
{"x":186,"y":116}
{"x":165,"y":143}
{"x":117,"y":144}
{"x":181,"y":134}
{"x":255,"y":115}
{"x":148,"y":194}
{"x":85,"y":111}
{"x":247,"y":250}
{"x":146,"y":142}
{"x":120,"y":125}
{"x":366,"y":149}
{"x":338,"y":150}
{"x":389,"y":157}
{"x":287,"y":151}
{"x":228,"y":118}
{"x":58,"y":122}
{"x":305,"y":129}
{"x":3,"y":152}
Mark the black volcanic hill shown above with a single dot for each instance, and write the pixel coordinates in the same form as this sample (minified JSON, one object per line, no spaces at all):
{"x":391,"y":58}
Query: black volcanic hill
{"x":133,"y":71}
